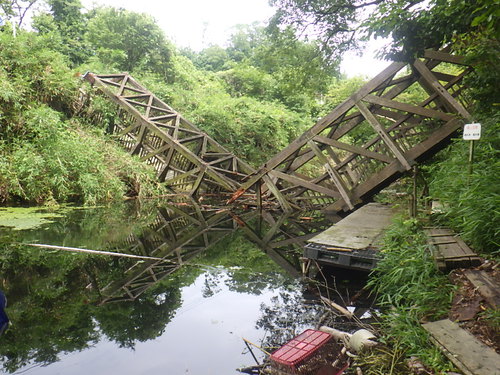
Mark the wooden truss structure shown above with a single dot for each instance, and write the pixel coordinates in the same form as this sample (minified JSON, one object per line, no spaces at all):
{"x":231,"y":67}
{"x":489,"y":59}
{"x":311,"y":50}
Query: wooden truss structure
{"x":364,"y":144}
{"x":185,"y":158}
{"x":370,"y":139}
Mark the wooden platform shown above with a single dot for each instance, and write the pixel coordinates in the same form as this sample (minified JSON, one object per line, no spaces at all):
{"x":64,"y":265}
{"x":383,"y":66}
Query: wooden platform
{"x":449,"y":250}
{"x":464,"y":350}
{"x":354,"y":241}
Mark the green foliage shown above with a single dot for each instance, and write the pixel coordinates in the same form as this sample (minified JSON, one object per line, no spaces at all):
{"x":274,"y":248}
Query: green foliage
{"x":44,"y":156}
{"x":333,"y":22}
{"x":65,"y":27}
{"x":127,"y":41}
{"x":32,"y":72}
{"x":271,"y":64}
{"x":213,"y":58}
{"x":252,"y":129}
{"x":418,"y":26}
{"x":412,"y":26}
{"x":410,"y":290}
{"x":471,"y":201}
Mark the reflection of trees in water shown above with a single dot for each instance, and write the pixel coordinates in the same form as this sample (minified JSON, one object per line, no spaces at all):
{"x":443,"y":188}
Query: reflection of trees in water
{"x":52,"y":311}
{"x":287,"y":316}
{"x":140,"y":320}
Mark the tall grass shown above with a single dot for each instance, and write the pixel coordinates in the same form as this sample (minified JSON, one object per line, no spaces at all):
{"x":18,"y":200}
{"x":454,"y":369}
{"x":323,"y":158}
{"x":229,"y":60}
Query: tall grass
{"x":410,"y":290}
{"x":472,"y":200}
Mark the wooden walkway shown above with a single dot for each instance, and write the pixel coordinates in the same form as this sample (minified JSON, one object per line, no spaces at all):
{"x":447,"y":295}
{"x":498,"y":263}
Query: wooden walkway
{"x":449,"y":250}
{"x":185,"y":158}
{"x":370,"y":139}
{"x":354,"y":242}
{"x":464,"y":350}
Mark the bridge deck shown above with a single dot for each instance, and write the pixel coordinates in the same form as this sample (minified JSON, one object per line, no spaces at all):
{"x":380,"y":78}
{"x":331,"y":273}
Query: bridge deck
{"x":353,"y":242}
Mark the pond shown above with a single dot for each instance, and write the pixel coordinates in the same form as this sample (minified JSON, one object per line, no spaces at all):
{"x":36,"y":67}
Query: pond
{"x":207,"y":279}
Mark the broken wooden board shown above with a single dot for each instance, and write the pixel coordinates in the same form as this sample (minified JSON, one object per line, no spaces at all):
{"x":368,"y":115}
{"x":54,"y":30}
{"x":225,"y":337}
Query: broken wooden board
{"x":464,"y":350}
{"x":360,"y":230}
{"x":449,"y":250}
{"x":354,"y":241}
{"x":485,"y":285}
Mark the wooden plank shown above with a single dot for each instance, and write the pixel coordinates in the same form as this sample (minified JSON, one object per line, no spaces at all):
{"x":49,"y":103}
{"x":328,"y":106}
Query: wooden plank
{"x":359,"y":230}
{"x":354,"y":149}
{"x":285,"y":205}
{"x":334,"y":175}
{"x":438,"y":232}
{"x":407,"y":107}
{"x":443,"y":56}
{"x":307,"y":184}
{"x":439,"y":89}
{"x":486,"y":286}
{"x":393,"y":146}
{"x":150,"y":124}
{"x":464,"y":350}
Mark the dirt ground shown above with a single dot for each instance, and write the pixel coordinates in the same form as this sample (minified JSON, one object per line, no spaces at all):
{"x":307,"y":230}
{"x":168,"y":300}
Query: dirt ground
{"x":474,"y":311}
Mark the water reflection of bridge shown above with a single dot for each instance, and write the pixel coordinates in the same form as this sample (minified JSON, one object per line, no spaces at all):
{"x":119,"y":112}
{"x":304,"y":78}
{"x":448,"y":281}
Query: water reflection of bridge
{"x":183,"y":229}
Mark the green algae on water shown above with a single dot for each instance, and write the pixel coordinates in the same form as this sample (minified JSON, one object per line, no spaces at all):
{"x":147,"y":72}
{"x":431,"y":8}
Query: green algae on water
{"x":23,"y":218}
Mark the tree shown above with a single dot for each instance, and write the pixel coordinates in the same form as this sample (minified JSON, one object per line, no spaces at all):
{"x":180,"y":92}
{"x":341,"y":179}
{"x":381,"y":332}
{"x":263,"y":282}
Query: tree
{"x":213,"y":58}
{"x":271,"y":64}
{"x":413,"y":25}
{"x":335,"y":22}
{"x":17,"y":9}
{"x":67,"y":25}
{"x":128,"y":40}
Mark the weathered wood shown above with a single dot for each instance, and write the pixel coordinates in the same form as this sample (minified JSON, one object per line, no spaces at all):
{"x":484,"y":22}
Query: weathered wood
{"x":443,"y":56}
{"x":359,"y":230}
{"x":440,"y":90}
{"x":449,"y":250}
{"x":393,"y":146}
{"x":337,"y":307}
{"x":464,"y":350}
{"x":337,"y":179}
{"x":356,"y":170}
{"x":407,"y":107}
{"x":300,"y":182}
{"x":168,"y":138}
{"x":354,"y":149}
{"x":486,"y":286}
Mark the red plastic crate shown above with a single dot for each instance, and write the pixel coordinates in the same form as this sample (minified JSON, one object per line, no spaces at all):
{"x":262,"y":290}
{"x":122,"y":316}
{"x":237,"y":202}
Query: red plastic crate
{"x":300,"y":348}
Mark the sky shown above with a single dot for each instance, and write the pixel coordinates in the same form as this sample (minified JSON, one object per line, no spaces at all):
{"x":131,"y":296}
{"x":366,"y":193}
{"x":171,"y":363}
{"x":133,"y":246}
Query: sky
{"x":200,"y":23}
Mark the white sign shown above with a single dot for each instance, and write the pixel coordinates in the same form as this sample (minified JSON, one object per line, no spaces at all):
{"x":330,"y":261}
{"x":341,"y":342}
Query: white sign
{"x":472,"y":132}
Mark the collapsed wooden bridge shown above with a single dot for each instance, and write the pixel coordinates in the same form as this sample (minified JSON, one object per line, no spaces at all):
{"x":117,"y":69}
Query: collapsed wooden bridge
{"x":364,"y":144}
{"x":184,"y":157}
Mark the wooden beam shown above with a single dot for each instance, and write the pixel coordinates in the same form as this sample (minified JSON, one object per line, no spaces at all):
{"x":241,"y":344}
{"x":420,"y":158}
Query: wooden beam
{"x":307,"y":184}
{"x":444,"y":56}
{"x":439,"y":89}
{"x":398,"y":153}
{"x":354,"y":149}
{"x":334,"y":175}
{"x":407,"y":107}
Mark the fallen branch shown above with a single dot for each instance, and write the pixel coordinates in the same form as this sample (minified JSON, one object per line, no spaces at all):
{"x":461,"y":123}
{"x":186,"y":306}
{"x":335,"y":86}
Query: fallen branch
{"x":337,"y":307}
{"x":80,"y":250}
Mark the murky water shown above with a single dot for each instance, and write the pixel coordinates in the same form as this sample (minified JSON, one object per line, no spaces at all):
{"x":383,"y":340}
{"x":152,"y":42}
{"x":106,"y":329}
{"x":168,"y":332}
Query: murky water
{"x":208,"y":278}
